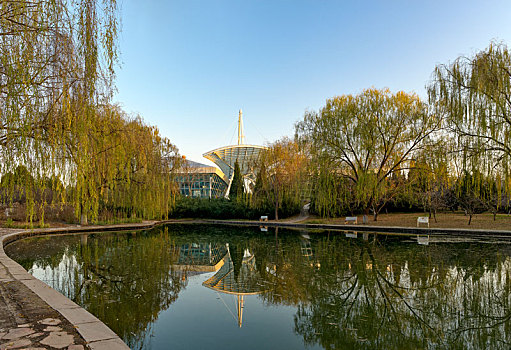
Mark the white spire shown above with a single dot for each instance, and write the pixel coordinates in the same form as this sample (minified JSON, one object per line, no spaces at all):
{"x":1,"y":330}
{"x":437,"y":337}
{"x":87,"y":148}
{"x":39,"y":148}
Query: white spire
{"x":240,"y":305}
{"x":240,"y":129}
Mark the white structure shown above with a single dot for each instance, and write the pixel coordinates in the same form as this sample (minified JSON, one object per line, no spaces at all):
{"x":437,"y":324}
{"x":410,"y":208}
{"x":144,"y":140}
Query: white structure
{"x":246,"y":156}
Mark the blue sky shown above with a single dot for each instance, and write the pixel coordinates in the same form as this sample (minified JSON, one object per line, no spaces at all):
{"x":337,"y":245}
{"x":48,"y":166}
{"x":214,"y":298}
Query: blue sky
{"x":188,"y":66}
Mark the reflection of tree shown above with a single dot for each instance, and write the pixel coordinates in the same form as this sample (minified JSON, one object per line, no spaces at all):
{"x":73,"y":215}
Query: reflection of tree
{"x":404,"y":296}
{"x":125,"y":280}
{"x":129,"y":277}
{"x":236,"y":252}
{"x":48,"y":251}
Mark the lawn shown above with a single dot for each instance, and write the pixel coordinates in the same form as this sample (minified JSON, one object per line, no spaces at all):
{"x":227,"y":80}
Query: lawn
{"x":444,"y":220}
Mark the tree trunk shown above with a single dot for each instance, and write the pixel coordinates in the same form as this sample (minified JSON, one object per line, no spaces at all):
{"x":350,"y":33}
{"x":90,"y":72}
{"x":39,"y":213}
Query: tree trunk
{"x":494,"y":215}
{"x":434,"y":215}
{"x":375,"y":213}
{"x":83,"y":216}
{"x":469,"y":218}
{"x":83,"y":220}
{"x":276,"y":242}
{"x":276,"y":209}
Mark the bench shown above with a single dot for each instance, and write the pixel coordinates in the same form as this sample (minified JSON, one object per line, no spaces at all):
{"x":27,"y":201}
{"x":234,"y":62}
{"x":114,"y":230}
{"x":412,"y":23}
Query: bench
{"x":422,"y":220}
{"x":352,"y":219}
{"x":264,"y":218}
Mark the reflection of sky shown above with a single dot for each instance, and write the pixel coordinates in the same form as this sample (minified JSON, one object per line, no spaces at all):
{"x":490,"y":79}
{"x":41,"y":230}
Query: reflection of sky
{"x":200,"y":313}
{"x":56,"y":277}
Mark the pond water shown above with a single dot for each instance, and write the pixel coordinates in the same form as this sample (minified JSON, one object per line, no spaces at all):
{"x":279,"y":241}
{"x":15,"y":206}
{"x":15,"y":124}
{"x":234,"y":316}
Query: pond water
{"x":215,"y":287}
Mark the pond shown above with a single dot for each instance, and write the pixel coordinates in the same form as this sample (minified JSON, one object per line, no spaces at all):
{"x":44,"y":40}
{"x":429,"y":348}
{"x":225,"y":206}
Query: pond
{"x":220,"y":287}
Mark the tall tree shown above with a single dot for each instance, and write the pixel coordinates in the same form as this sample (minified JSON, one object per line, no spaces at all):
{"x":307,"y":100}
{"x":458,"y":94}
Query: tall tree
{"x":282,"y":170}
{"x":368,"y":139}
{"x":237,"y":188}
{"x":474,"y":95}
{"x":56,"y":68}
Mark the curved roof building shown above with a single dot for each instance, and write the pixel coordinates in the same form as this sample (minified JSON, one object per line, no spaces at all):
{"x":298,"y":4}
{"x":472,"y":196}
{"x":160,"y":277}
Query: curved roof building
{"x":225,"y":157}
{"x":246,"y":156}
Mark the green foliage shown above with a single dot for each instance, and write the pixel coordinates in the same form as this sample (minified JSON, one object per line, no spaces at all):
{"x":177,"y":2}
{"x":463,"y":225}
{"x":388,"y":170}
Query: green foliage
{"x":10,"y":224}
{"x":237,"y":188}
{"x":281,"y":180}
{"x":370,"y":140}
{"x":472,"y":93}
{"x":221,"y":208}
{"x":215,"y":208}
{"x":19,"y":177}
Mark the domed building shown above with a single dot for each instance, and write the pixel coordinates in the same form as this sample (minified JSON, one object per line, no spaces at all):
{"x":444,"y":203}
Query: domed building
{"x":200,"y":180}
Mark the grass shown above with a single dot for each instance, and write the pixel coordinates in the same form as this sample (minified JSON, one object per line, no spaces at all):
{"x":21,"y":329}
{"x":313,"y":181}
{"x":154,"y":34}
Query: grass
{"x":24,"y":225}
{"x":116,"y":221}
{"x":444,"y":220}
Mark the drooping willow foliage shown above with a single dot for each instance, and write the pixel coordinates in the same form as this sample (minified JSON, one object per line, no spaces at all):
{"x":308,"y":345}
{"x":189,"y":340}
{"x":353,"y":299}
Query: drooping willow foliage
{"x":474,"y":95}
{"x":57,"y":60}
{"x":362,"y":146}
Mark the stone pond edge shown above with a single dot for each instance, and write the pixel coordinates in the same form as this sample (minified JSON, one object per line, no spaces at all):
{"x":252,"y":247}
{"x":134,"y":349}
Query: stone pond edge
{"x":100,"y":336}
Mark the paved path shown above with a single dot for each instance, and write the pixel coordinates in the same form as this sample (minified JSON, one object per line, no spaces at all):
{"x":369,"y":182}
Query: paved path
{"x":26,"y":321}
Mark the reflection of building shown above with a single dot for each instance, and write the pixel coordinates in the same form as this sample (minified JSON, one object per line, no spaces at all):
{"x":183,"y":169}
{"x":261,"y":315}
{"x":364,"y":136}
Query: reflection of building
{"x":200,"y":257}
{"x":238,"y":280}
{"x":200,"y":180}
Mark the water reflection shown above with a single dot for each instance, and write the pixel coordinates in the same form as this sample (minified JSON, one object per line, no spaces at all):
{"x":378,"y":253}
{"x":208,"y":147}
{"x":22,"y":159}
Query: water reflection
{"x":200,"y":257}
{"x":423,"y":239}
{"x":237,"y":276}
{"x":348,"y":290}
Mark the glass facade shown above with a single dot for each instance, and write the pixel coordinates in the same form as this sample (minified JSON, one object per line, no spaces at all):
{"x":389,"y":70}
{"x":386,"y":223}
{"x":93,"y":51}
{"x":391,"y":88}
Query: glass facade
{"x":203,"y":185}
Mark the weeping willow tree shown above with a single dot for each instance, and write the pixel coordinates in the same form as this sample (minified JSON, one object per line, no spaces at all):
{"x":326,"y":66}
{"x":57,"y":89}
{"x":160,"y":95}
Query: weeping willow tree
{"x":331,"y":196}
{"x":368,"y":139}
{"x":474,"y":95}
{"x":128,"y":167}
{"x":57,"y":70}
{"x":432,"y":179}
